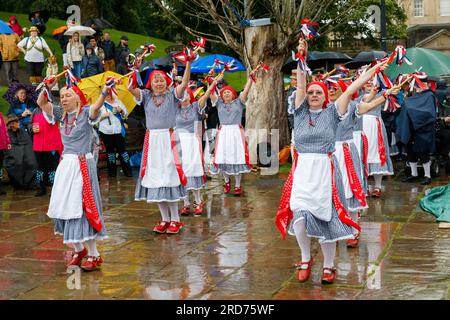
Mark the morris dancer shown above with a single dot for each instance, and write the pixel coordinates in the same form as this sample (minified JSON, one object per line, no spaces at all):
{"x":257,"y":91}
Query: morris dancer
{"x":313,"y":201}
{"x":189,"y":128}
{"x":231,"y":153}
{"x":75,"y":203}
{"x":378,"y":158}
{"x":161,"y":177}
{"x":349,"y":160}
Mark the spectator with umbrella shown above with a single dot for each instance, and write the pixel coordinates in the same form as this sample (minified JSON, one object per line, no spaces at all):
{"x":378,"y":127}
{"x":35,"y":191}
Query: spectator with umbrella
{"x":22,"y":107}
{"x":33,"y":47}
{"x":38,"y":19}
{"x":10,"y":55}
{"x":75,"y":53}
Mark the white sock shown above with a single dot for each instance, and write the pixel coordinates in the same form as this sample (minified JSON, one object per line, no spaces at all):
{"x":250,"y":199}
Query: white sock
{"x":238,"y":180}
{"x":413,"y":166}
{"x":197,"y":196}
{"x":329,"y":252}
{"x":186,"y":201}
{"x":378,"y":178}
{"x":78,"y":246}
{"x":303,"y":240}
{"x":173,"y":207}
{"x":427,"y":169}
{"x":92,"y":248}
{"x":164,"y":209}
{"x":226,"y":177}
{"x":354,"y":216}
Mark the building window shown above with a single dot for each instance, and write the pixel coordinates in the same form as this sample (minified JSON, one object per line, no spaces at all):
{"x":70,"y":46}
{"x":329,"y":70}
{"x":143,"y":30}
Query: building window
{"x":418,"y":8}
{"x":445,"y":7}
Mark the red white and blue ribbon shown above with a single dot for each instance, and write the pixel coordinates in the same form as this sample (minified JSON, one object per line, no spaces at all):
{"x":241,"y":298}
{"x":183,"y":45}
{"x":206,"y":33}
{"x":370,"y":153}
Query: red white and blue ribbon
{"x":391,"y":104}
{"x":301,"y":62}
{"x":342,"y":70}
{"x":185,"y":56}
{"x":228,"y":66}
{"x":135,"y":80}
{"x":307,"y":29}
{"x":416,"y":81}
{"x":111,"y":86}
{"x":399,"y":55}
{"x":199,"y":44}
{"x":381,"y":80}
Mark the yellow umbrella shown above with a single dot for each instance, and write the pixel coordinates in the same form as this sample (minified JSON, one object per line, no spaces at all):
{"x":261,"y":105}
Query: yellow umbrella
{"x":92,"y":86}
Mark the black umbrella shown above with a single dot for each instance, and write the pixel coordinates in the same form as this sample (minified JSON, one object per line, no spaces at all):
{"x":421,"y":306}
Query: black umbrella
{"x":365,"y":57}
{"x":317,"y":59}
{"x":100,"y":23}
{"x":43,"y":14}
{"x":166,"y":63}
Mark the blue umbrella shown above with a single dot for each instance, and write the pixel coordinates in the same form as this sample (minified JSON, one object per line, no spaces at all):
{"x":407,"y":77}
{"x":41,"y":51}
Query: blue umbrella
{"x":204,"y":65}
{"x":4,"y":28}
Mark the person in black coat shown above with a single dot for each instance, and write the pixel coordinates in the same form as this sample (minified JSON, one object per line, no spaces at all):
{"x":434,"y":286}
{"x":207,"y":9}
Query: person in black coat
{"x":110,"y":52}
{"x":417,"y":130}
{"x":91,"y":64}
{"x":122,"y":52}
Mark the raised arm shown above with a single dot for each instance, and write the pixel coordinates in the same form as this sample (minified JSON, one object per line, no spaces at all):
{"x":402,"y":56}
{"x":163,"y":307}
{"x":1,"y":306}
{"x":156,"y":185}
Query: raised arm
{"x":365,"y":107}
{"x":95,"y":107}
{"x":300,"y":93}
{"x":244,"y":94}
{"x":209,"y":91}
{"x":186,"y":77}
{"x":343,"y":101}
{"x":43,"y":102}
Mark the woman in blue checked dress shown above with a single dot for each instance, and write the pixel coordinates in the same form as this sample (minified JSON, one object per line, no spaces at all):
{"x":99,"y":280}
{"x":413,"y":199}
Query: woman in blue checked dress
{"x":76,"y":200}
{"x":317,"y":198}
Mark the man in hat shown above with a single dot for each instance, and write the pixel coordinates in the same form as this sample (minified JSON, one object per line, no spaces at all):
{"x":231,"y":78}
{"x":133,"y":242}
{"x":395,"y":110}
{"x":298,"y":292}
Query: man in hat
{"x":33,"y":48}
{"x":122,"y":52}
{"x":20,"y":161}
{"x":417,"y":130}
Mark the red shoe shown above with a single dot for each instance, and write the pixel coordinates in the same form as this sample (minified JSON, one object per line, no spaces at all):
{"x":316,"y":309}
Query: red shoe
{"x":161,"y":227}
{"x":353,"y":243}
{"x":328,"y":278}
{"x":198,"y":209}
{"x":237,"y":191}
{"x":174,"y":227}
{"x":77,"y":258}
{"x":185,"y":210}
{"x":376,"y":193}
{"x":92,"y":263}
{"x":226,"y":187}
{"x":303,"y":274}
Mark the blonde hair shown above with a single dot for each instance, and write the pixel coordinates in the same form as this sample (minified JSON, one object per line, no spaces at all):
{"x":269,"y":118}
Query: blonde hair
{"x":78,"y":99}
{"x":71,"y":38}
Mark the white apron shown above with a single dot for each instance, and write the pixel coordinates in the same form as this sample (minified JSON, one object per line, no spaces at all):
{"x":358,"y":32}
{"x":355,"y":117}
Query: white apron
{"x":370,"y":128}
{"x":311,"y":188}
{"x":191,"y":154}
{"x":229,"y":147}
{"x":339,"y":154}
{"x":66,"y":201}
{"x":161,"y":171}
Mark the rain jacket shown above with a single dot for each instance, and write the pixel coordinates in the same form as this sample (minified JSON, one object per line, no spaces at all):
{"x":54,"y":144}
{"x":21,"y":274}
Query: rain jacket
{"x":417,"y":122}
{"x":91,"y":65}
{"x":8,"y":47}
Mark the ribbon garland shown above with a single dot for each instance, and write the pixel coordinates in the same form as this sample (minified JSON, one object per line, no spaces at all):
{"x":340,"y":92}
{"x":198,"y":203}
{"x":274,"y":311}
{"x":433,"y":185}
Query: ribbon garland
{"x":399,"y":55}
{"x":416,"y":81}
{"x":391,"y":104}
{"x":301,"y":62}
{"x":308,"y":30}
{"x":381,"y":80}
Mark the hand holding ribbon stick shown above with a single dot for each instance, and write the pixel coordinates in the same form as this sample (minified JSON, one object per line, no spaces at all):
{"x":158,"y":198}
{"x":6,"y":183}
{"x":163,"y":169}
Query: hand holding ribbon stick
{"x":260,"y":65}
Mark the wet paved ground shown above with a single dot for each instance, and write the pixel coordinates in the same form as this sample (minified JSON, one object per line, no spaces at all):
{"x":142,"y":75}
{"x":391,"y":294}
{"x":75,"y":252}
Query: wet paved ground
{"x":235,"y":252}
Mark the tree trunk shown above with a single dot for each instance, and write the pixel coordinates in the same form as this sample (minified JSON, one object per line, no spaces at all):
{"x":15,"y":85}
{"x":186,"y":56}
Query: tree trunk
{"x":89,"y":9}
{"x":265,"y":104}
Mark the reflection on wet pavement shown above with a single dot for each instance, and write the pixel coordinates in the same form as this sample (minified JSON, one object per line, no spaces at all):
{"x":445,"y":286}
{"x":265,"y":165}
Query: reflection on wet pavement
{"x":234,"y":251}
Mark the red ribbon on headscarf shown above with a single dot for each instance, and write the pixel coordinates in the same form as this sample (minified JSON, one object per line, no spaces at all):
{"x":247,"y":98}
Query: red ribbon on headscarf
{"x":89,"y":205}
{"x":365,"y":153}
{"x":353,"y":179}
{"x":381,"y":145}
